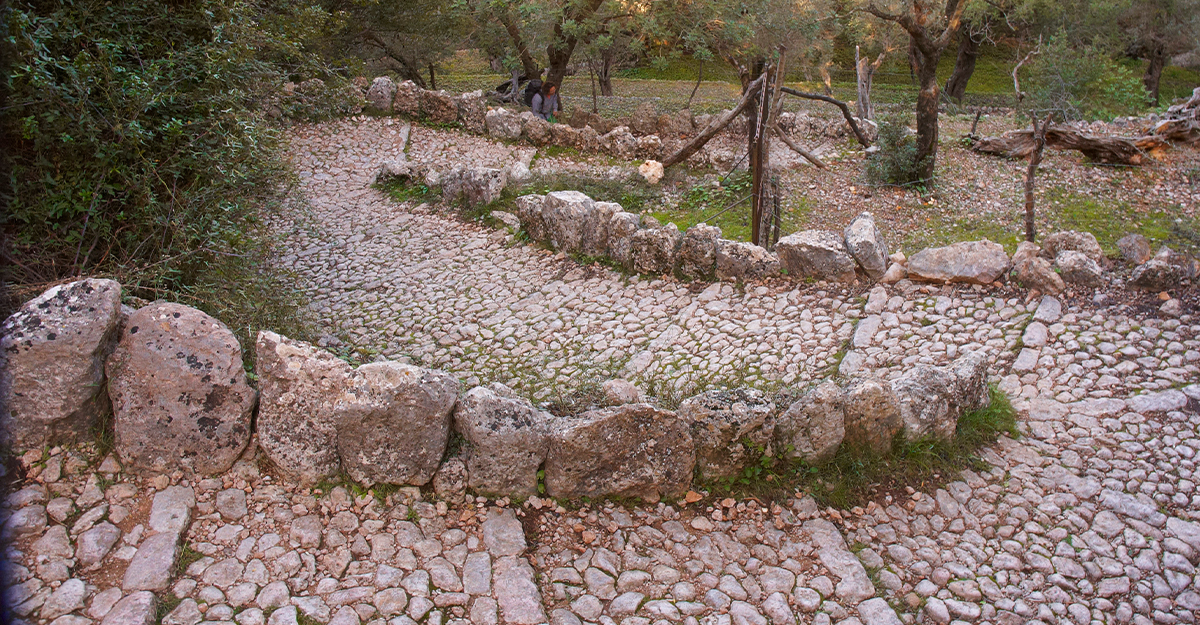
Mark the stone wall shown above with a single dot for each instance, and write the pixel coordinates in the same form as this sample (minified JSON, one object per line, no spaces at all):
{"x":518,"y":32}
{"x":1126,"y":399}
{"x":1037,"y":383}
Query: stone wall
{"x":180,"y":401}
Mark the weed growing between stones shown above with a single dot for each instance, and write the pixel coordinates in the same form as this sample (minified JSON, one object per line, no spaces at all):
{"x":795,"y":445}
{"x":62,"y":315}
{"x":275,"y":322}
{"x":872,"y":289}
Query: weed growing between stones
{"x":402,"y":191}
{"x":186,"y":557}
{"x":166,"y":602}
{"x":855,"y":475}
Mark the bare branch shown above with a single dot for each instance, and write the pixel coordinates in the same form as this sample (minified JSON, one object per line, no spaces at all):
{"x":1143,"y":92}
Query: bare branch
{"x":862,"y":139}
{"x":716,"y":126}
{"x":808,"y":156}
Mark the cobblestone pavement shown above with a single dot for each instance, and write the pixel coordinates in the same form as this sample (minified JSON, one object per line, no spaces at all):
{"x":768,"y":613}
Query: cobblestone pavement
{"x":1092,"y":516}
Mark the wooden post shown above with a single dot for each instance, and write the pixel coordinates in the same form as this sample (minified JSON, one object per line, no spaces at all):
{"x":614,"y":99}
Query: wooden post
{"x":758,"y":162}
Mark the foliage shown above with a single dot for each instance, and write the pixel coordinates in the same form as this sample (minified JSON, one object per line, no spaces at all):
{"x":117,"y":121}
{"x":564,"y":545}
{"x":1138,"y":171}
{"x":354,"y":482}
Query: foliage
{"x":854,"y":475}
{"x":404,"y":36}
{"x":896,"y":162}
{"x":1081,"y":82}
{"x":707,"y":203}
{"x":138,"y":148}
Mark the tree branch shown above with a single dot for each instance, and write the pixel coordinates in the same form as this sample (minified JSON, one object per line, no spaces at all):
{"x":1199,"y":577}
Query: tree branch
{"x":708,"y":133}
{"x":842,"y":105}
{"x":808,"y":156}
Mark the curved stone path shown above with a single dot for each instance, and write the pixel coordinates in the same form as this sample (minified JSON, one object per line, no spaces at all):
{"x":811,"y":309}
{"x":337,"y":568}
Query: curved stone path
{"x":1091,"y":517}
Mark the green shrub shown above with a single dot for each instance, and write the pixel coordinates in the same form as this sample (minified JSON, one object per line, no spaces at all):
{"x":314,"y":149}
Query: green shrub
{"x":138,"y":148}
{"x":896,"y":162}
{"x":1081,"y":82}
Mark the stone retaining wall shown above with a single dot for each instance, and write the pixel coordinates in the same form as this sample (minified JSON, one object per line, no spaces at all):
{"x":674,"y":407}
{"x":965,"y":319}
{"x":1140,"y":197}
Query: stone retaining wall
{"x":180,"y":401}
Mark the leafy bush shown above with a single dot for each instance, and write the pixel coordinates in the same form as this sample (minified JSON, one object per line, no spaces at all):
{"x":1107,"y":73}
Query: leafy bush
{"x":138,"y":147}
{"x":1081,"y":82}
{"x":896,"y":162}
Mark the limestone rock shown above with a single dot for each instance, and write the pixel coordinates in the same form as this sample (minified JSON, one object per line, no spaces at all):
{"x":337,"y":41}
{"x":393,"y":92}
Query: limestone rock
{"x":653,"y":249}
{"x":1071,"y":240}
{"x":651,"y":171}
{"x":872,"y":415}
{"x":1135,"y":248}
{"x":563,"y":135}
{"x":738,"y":259}
{"x":529,"y":211}
{"x":593,"y":239}
{"x":535,"y":129}
{"x":407,"y":99}
{"x":179,"y":393}
{"x":507,"y":438}
{"x":565,"y":213}
{"x":923,"y":394}
{"x":503,"y":125}
{"x":697,"y":258}
{"x":722,"y":423}
{"x":1079,"y":268}
{"x":152,"y":564}
{"x":52,"y":355}
{"x":135,"y":609}
{"x":865,"y":243}
{"x":969,"y":375}
{"x":634,"y":450}
{"x":813,"y":427}
{"x":395,"y":430}
{"x":619,"y":392}
{"x":621,"y":228}
{"x":302,"y":388}
{"x":1163,"y":272}
{"x":619,"y":142}
{"x":650,"y":147}
{"x":645,"y":119}
{"x":477,"y":186}
{"x":438,"y":107}
{"x":1035,"y":272}
{"x":471,"y":109}
{"x":974,"y":262}
{"x":816,"y":253}
{"x":381,"y":94}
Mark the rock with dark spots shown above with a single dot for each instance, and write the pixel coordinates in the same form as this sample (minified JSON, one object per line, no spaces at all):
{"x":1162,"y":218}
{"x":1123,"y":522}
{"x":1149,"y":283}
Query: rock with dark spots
{"x":923,"y":394}
{"x":817,"y":254}
{"x":972,"y":262}
{"x":727,"y":427}
{"x":635,"y":450}
{"x":471,"y":109}
{"x":501,"y":124}
{"x":621,"y":228}
{"x":407,"y":99}
{"x":1079,"y":268}
{"x":529,"y":211}
{"x":179,"y":392}
{"x":52,"y":355}
{"x":593,"y":240}
{"x":475,"y":186}
{"x":739,"y":259}
{"x":872,"y":415}
{"x":644,"y":120}
{"x":1070,"y":240}
{"x":535,"y":129}
{"x":438,"y":107}
{"x":1156,"y":275}
{"x":381,"y":94}
{"x":619,"y":142}
{"x":507,"y":438}
{"x":1134,"y":248}
{"x":969,"y":378}
{"x":395,"y":430}
{"x":565,"y":213}
{"x":813,"y":427}
{"x":865,"y":243}
{"x":302,"y":388}
{"x":697,"y":257}
{"x":1035,"y":272}
{"x":653,"y":249}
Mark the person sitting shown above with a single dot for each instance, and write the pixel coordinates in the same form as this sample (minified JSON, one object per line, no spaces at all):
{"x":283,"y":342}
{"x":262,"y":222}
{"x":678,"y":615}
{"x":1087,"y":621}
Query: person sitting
{"x":546,"y":103}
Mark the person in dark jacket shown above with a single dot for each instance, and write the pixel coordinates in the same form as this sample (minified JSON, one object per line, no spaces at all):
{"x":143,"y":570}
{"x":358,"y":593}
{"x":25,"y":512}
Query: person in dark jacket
{"x":546,"y":102}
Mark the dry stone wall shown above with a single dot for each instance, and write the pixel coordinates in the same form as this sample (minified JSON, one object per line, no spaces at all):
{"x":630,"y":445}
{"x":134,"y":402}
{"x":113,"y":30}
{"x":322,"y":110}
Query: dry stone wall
{"x":181,"y":403}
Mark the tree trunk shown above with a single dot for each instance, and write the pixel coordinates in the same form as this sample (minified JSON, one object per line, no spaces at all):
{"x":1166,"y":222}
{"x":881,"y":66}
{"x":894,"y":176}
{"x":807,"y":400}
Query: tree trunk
{"x":756,"y":117}
{"x":716,"y":126}
{"x":927,"y":114}
{"x":528,"y":65}
{"x":1158,"y":60}
{"x":1114,"y":150}
{"x":560,"y":48}
{"x":605,"y":73}
{"x":964,"y":65}
{"x":432,"y":79}
{"x":863,"y":74}
{"x":1035,"y":159}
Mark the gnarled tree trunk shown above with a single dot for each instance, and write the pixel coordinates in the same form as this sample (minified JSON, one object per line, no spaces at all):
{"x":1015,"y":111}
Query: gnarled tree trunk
{"x":964,"y":65}
{"x":1157,"y":56}
{"x":927,"y":111}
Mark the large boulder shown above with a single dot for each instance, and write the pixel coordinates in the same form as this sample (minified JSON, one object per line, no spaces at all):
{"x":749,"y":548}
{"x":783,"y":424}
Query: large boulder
{"x":507,"y":439}
{"x":565,"y":213}
{"x":1079,"y":268}
{"x":471,"y":109}
{"x":381,"y":94}
{"x":621,"y":228}
{"x":438,"y":107}
{"x":52,"y":355}
{"x":675,"y":126}
{"x":529,"y":211}
{"x":924,"y":394}
{"x":653,"y":249}
{"x":697,"y":257}
{"x":969,"y":373}
{"x":502,"y":124}
{"x":865,"y":243}
{"x":730,"y":428}
{"x":645,"y":119}
{"x":1157,"y":275}
{"x":742,"y":260}
{"x":593,"y":240}
{"x":974,"y":262}
{"x":635,"y":450}
{"x":813,"y":427}
{"x":619,"y":142}
{"x":407,"y":100}
{"x":179,"y":393}
{"x":650,"y":146}
{"x":396,"y":428}
{"x":302,"y":389}
{"x":1035,"y":272}
{"x":872,"y":415}
{"x":587,"y":139}
{"x":535,"y":129}
{"x":1134,"y":248}
{"x":563,"y":135}
{"x":1071,"y":240}
{"x":476,"y":186}
{"x":816,"y":253}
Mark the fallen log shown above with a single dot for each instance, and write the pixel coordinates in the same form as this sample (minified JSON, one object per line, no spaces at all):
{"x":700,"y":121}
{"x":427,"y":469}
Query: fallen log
{"x":716,"y":126}
{"x":1114,"y":150}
